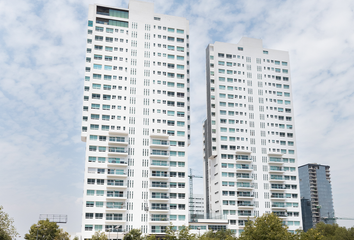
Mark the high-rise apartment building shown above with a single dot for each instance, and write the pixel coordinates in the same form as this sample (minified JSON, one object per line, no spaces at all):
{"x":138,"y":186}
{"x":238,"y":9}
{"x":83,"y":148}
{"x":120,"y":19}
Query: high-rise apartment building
{"x":198,"y":205}
{"x":136,"y":120}
{"x":316,"y":191}
{"x":250,"y":161}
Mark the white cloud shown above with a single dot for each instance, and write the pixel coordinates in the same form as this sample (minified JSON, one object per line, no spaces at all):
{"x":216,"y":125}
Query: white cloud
{"x":42,"y":69}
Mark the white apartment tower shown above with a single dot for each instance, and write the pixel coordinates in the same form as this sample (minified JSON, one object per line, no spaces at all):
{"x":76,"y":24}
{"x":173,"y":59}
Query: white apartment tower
{"x":250,"y":161}
{"x":135,"y":120}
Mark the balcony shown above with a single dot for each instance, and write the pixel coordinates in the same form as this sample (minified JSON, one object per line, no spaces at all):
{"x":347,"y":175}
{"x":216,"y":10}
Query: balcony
{"x":159,"y":164}
{"x":158,"y":174}
{"x":116,"y":195}
{"x":277,"y":187}
{"x":115,"y":207}
{"x":276,"y":178}
{"x":278,"y":205}
{"x":159,"y":219}
{"x":276,"y":169}
{"x":243,"y":176}
{"x":246,"y":195}
{"x":160,"y":186}
{"x":278,"y":196}
{"x":245,"y":204}
{"x":117,"y":151}
{"x":244,"y":185}
{"x":159,"y":208}
{"x":115,"y":219}
{"x":243,"y":168}
{"x":281,"y":214}
{"x":276,"y":160}
{"x":117,"y":141}
{"x":116,"y":162}
{"x":159,"y":196}
{"x":159,"y":154}
{"x":243,"y":158}
{"x":160,"y":143}
{"x":116,"y":184}
{"x":116,"y":173}
{"x":245,"y":213}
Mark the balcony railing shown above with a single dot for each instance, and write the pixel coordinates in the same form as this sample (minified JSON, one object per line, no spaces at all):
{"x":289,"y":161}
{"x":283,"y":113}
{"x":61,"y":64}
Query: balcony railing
{"x":159,"y":174}
{"x":159,"y":197}
{"x":244,"y":195}
{"x":245,"y":204}
{"x":159,"y":219}
{"x":159,"y":208}
{"x":159,"y":185}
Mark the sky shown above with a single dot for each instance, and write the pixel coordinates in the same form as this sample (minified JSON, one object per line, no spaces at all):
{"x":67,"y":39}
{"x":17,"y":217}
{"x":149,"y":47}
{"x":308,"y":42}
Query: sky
{"x":42,"y":58}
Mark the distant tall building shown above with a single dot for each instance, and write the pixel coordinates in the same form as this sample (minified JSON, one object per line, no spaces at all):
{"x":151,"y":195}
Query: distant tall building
{"x":136,"y":121}
{"x":250,"y":159}
{"x":316,"y":189}
{"x":198,"y":204}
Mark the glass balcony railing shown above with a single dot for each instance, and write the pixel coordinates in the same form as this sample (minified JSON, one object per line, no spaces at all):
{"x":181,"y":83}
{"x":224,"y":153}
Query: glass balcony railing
{"x":244,"y":194}
{"x":277,"y":196}
{"x":163,"y":219}
{"x":159,"y":163}
{"x":159,"y":174}
{"x":116,"y":161}
{"x":245,"y":204}
{"x":238,"y":175}
{"x":159,"y":153}
{"x":274,"y":159}
{"x":159,"y":196}
{"x":159,"y":185}
{"x":159,"y":208}
{"x":277,"y":177}
{"x":245,"y":213}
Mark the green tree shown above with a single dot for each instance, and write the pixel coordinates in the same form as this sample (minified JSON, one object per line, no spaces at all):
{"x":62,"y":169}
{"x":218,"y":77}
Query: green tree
{"x":334,"y":232}
{"x":76,"y":238}
{"x":170,"y":233}
{"x":184,"y":234}
{"x":62,"y":235}
{"x":99,"y":236}
{"x":134,"y":234}
{"x":7,"y":229}
{"x":267,"y":227}
{"x":151,"y":237}
{"x":221,"y":234}
{"x":45,"y":229}
{"x":311,"y":234}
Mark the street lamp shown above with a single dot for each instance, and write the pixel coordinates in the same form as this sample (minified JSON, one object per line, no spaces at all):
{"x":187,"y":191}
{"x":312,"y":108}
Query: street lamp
{"x":109,"y":234}
{"x":118,"y":227}
{"x":199,"y":230}
{"x":37,"y":226}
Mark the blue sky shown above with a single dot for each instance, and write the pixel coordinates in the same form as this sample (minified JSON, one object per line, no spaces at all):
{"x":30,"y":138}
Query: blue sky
{"x":41,"y":86}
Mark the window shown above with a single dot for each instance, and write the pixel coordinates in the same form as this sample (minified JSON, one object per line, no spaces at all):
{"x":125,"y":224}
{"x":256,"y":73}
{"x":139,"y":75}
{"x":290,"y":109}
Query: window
{"x":180,"y":31}
{"x":97,"y":66}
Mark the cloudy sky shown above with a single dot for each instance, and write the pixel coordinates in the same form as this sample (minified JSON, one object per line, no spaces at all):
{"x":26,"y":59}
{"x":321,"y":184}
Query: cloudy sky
{"x":41,"y":86}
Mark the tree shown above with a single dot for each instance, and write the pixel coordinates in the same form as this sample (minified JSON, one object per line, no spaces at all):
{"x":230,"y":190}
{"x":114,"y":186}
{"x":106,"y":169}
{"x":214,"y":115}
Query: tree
{"x":267,"y":227}
{"x":62,"y":235}
{"x":76,"y":238}
{"x":221,"y":234}
{"x":151,"y":237}
{"x":184,"y":234}
{"x":334,"y":231}
{"x":99,"y":236}
{"x":170,"y":233}
{"x":7,"y":229}
{"x":134,"y":234}
{"x":45,"y":229}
